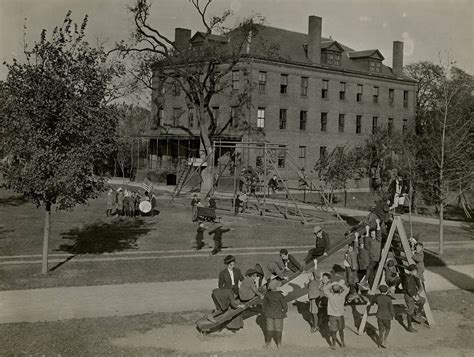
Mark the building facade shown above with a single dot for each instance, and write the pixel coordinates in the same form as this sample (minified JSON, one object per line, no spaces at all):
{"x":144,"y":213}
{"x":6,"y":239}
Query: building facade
{"x":314,"y":95}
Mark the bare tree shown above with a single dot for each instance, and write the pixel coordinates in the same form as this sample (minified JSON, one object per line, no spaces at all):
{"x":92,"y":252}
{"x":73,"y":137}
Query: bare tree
{"x":201,"y":72}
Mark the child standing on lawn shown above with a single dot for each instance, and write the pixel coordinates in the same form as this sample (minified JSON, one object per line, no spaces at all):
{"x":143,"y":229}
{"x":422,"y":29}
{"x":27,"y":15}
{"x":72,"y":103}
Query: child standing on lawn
{"x":274,"y":308}
{"x":199,"y":241}
{"x":336,"y":293}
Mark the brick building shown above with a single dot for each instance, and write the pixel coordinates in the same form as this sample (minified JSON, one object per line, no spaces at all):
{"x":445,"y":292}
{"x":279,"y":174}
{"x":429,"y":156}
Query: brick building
{"x":312,"y":94}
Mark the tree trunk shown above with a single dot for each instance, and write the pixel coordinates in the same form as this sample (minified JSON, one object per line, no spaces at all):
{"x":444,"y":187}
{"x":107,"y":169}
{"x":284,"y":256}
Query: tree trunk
{"x":345,"y":196}
{"x":205,"y":150}
{"x":441,"y":229}
{"x":44,"y":265}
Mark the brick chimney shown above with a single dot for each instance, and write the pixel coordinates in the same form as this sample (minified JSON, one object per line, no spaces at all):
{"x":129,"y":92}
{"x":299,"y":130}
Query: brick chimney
{"x":181,"y":38}
{"x":397,"y":64}
{"x":314,"y":39}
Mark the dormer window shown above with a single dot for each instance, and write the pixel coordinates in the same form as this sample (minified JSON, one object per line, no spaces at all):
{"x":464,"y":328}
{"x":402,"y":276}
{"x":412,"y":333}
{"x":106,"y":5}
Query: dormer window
{"x":332,"y":58}
{"x":375,"y":66}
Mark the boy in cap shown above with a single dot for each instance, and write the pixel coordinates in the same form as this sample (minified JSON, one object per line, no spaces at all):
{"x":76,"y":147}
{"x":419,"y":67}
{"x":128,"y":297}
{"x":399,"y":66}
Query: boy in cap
{"x":322,"y":245}
{"x":392,"y":278}
{"x":336,"y":293}
{"x":419,"y":258}
{"x":274,"y":308}
{"x":385,"y":313}
{"x":374,"y":244}
{"x":313,"y":285}
{"x":194,"y":204}
{"x":199,"y":241}
{"x":351,"y":265}
{"x":412,"y":296}
{"x":248,"y":288}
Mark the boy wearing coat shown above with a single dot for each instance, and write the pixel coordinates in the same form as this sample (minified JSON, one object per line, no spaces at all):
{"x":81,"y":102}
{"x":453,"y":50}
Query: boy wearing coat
{"x":274,"y":308}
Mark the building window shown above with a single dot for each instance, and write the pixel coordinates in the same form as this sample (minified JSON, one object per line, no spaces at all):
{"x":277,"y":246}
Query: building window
{"x":341,"y":122}
{"x":391,"y":96}
{"x":281,"y":156}
{"x":161,"y":117}
{"x":405,"y":98}
{"x":358,"y":124}
{"x":302,"y":152}
{"x":375,"y":66}
{"x":176,"y":88}
{"x":376,"y":95}
{"x":390,"y":125}
{"x":304,"y":86}
{"x":235,"y":80}
{"x":342,"y":91}
{"x":332,"y":58}
{"x":324,"y":121}
{"x":324,"y":92}
{"x":262,"y":81}
{"x":284,"y":84}
{"x":234,"y":116}
{"x":215,"y":114}
{"x":405,"y":126}
{"x":176,"y":115}
{"x":374,"y":124}
{"x":261,"y":118}
{"x":190,"y":119}
{"x":359,"y":93}
{"x":303,"y":116}
{"x":322,"y":152}
{"x":283,"y":113}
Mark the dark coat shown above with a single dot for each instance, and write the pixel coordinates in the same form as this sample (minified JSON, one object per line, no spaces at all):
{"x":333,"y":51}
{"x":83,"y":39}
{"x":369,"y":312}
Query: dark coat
{"x":385,"y":306}
{"x":293,"y":264}
{"x":225,"y":282}
{"x":217,"y":232}
{"x":375,"y":246}
{"x":274,"y":305}
{"x":323,"y":242}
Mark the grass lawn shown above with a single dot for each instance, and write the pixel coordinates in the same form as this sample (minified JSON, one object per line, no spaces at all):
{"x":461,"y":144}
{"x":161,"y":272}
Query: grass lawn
{"x":86,"y":232}
{"x":99,"y":336}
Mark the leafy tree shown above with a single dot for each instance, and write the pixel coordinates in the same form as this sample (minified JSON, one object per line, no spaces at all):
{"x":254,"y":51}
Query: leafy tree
{"x":336,"y":168}
{"x":447,"y":150}
{"x":57,"y":125}
{"x":201,"y":73}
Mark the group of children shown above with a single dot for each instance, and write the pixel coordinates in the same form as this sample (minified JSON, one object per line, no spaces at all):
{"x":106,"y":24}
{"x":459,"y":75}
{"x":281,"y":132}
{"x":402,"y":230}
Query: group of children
{"x":126,"y":203}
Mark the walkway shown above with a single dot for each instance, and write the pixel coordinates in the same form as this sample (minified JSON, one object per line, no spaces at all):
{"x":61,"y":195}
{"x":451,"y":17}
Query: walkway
{"x":142,"y":298}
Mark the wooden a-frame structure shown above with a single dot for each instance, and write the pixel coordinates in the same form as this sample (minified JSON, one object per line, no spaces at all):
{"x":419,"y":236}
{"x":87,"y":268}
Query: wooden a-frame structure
{"x":403,"y":257}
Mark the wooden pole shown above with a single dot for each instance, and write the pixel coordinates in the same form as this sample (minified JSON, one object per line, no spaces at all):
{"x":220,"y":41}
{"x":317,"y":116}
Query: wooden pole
{"x":47,"y":217}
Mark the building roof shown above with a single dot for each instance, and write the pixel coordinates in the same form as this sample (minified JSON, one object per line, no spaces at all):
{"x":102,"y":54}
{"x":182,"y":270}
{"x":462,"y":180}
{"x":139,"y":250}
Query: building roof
{"x":289,"y":46}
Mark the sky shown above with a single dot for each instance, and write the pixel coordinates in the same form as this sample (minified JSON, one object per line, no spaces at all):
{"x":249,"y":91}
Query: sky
{"x":429,"y":28}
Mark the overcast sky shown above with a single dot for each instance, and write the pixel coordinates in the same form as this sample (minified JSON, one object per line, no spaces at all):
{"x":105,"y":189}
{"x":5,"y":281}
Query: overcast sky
{"x":428,"y":27}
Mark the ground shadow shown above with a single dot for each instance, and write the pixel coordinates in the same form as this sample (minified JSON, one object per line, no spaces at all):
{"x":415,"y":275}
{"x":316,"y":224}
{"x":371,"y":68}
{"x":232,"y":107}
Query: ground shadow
{"x":103,"y":237}
{"x":303,"y":310}
{"x":370,"y":329}
{"x":462,"y":281}
{"x":14,"y":200}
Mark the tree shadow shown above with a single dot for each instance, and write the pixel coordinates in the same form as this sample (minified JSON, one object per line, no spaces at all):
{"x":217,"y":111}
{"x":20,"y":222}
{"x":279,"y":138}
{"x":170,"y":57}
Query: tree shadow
{"x":14,"y":200}
{"x":103,"y":237}
{"x":461,"y":280}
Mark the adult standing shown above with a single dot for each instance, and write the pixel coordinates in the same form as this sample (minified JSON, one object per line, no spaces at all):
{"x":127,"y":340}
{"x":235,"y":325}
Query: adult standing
{"x":120,"y":198}
{"x":230,"y":277}
{"x":322,"y":245}
{"x":110,"y":202}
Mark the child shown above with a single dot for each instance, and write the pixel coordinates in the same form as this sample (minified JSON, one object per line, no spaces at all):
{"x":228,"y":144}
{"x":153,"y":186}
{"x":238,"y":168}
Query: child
{"x":419,"y":258}
{"x":412,"y":296}
{"x":336,"y":293}
{"x":217,"y":232}
{"x":374,"y":249}
{"x":362,"y":258}
{"x":194,"y":203}
{"x":352,"y":266}
{"x":248,"y":288}
{"x":274,"y":308}
{"x":323,"y":299}
{"x":313,"y":284}
{"x":392,"y":278}
{"x":199,"y":242}
{"x":385,"y":314}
